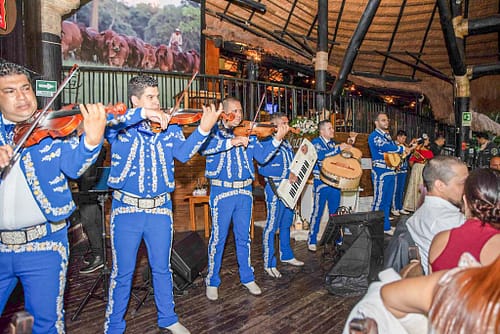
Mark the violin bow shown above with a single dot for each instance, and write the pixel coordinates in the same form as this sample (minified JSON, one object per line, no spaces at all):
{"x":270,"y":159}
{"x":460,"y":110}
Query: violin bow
{"x":19,"y":146}
{"x":179,"y":99}
{"x":257,"y":113}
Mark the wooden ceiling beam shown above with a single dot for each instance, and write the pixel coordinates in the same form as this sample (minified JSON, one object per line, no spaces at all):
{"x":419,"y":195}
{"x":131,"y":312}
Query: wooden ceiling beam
{"x":354,"y":44}
{"x":337,"y":25}
{"x":394,"y":32}
{"x":259,"y":31}
{"x":302,"y":44}
{"x":424,"y":39}
{"x":384,"y":77}
{"x":290,"y":15}
{"x":438,"y":75}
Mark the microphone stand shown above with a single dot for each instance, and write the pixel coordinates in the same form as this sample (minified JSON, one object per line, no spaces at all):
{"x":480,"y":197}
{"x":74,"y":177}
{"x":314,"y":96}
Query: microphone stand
{"x":102,"y":196}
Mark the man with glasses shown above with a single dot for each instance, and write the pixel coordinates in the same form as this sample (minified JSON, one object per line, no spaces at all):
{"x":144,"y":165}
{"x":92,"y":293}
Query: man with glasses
{"x":230,"y":169}
{"x":383,"y":176}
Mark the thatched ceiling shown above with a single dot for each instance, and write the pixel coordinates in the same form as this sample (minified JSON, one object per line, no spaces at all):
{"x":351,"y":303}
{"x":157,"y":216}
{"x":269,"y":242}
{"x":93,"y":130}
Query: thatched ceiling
{"x":409,"y":30}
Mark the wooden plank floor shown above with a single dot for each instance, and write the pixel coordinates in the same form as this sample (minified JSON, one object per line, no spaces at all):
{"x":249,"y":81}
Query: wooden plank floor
{"x":295,"y":303}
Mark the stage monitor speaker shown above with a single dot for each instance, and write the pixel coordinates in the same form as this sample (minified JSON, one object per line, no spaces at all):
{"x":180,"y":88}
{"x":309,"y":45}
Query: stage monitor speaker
{"x":362,"y":248}
{"x":189,"y":258}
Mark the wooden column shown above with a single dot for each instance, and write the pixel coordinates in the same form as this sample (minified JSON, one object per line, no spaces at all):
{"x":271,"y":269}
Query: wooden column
{"x":321,"y":64}
{"x":43,"y":35}
{"x":354,"y":44}
{"x":454,"y":45}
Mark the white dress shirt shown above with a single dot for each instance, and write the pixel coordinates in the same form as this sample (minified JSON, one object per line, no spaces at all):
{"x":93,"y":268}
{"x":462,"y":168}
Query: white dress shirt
{"x":18,"y":208}
{"x":435,"y":215}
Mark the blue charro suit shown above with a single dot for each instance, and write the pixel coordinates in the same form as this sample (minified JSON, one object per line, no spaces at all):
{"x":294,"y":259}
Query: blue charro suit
{"x":279,"y":216}
{"x":322,"y":192}
{"x":382,"y":175}
{"x":142,"y":176}
{"x":231,"y":172}
{"x":41,"y":264}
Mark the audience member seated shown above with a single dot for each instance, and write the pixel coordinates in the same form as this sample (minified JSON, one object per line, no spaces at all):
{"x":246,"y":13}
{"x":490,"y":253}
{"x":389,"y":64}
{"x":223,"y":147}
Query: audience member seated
{"x":444,"y":178}
{"x":460,"y":300}
{"x":480,"y":234}
{"x":371,"y":306}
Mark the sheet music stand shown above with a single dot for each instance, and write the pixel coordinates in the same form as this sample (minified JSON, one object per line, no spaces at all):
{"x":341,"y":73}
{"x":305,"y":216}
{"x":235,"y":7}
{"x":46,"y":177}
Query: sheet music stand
{"x":102,"y":191}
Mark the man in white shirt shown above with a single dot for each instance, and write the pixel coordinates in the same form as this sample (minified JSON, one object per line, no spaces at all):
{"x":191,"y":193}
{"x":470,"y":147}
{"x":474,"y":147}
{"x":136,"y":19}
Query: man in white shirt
{"x":176,"y":40}
{"x":444,"y":178}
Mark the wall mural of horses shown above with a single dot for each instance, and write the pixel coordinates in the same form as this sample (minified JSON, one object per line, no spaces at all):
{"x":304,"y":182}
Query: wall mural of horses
{"x":142,"y":40}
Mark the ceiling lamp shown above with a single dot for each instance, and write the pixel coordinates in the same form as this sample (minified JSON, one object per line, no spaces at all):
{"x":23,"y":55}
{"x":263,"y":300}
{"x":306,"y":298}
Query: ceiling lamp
{"x":250,"y":4}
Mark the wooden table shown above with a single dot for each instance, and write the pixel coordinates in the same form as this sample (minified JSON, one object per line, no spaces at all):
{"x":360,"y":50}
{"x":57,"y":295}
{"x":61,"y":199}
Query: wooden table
{"x":193,"y":200}
{"x":204,"y":200}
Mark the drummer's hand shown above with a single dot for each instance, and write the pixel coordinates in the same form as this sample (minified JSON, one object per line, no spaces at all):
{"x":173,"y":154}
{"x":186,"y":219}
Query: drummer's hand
{"x":293,"y":178}
{"x":344,"y":146}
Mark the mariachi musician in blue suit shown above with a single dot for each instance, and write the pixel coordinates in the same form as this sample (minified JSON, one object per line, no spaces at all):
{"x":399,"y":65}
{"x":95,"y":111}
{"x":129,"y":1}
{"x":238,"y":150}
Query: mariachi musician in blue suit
{"x":229,"y":166}
{"x":323,"y":193}
{"x":383,"y":176}
{"x":35,"y":201}
{"x":279,"y":216}
{"x":142,"y":176}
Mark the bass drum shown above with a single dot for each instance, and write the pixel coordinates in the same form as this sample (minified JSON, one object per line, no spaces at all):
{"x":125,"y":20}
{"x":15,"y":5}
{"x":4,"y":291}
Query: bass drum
{"x":340,"y":172}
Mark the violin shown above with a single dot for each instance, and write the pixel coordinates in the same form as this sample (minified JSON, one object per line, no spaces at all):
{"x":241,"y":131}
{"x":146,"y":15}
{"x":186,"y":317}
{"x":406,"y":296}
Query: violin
{"x":260,"y":129}
{"x":185,"y":117}
{"x":57,"y":123}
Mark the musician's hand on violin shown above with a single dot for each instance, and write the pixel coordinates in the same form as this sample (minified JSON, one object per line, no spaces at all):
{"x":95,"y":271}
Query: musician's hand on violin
{"x":5,"y":155}
{"x":210,"y":117}
{"x":94,"y":122}
{"x":293,"y":178}
{"x":281,"y":131}
{"x":158,"y":116}
{"x":240,"y":141}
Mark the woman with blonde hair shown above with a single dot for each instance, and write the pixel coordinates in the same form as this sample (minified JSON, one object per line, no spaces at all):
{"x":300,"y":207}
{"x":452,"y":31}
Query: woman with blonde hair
{"x":456,"y":301}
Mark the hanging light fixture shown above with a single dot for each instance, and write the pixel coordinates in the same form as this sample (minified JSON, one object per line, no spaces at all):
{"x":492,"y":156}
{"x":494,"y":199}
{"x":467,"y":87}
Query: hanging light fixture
{"x":250,"y":4}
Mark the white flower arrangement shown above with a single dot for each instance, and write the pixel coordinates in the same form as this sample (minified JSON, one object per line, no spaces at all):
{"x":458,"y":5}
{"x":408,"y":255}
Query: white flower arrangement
{"x":306,"y":125}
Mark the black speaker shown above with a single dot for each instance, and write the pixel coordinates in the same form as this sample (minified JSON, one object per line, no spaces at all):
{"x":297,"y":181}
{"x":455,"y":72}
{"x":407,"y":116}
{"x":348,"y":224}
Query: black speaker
{"x":189,"y":258}
{"x":362,"y":252}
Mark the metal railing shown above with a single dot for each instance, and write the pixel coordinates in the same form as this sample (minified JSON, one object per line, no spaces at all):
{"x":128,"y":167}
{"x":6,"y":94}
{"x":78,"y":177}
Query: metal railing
{"x":109,"y":85}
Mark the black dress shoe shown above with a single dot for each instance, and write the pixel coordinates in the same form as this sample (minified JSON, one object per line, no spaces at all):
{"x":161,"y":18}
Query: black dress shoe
{"x":94,"y":264}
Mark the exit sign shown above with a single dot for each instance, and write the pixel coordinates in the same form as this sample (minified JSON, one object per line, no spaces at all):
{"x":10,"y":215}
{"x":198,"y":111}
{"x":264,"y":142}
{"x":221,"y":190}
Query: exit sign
{"x":466,"y":118}
{"x":46,"y":88}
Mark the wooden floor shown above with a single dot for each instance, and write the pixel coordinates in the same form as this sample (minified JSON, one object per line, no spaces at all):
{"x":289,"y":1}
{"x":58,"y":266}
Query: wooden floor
{"x":295,"y":303}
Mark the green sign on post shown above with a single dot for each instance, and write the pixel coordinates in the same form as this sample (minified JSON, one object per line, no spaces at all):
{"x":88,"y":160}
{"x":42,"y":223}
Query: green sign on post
{"x":466,"y":118}
{"x":46,"y":88}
